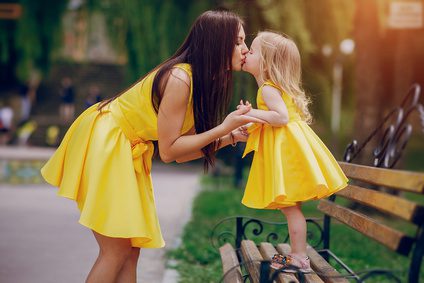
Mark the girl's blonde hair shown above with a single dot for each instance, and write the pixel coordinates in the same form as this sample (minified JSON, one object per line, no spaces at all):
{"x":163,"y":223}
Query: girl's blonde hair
{"x":280,"y":63}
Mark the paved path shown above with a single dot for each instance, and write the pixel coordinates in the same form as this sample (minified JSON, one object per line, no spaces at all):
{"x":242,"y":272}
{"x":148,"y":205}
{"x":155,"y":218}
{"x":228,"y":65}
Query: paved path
{"x":41,"y":240}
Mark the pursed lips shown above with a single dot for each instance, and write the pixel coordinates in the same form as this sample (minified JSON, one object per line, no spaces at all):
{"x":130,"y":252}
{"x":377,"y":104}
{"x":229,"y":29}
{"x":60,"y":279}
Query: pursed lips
{"x":243,"y":60}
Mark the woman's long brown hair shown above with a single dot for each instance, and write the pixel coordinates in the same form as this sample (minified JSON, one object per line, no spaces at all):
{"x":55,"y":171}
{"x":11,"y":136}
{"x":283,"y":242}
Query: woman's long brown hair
{"x":208,"y":48}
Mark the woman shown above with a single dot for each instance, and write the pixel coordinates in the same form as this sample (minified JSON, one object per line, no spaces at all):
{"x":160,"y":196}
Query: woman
{"x":104,"y":161}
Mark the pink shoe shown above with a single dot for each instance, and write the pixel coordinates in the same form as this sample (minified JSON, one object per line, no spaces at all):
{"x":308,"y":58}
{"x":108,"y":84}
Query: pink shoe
{"x":292,"y":263}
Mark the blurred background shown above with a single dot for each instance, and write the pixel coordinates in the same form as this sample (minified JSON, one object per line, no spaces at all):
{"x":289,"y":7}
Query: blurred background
{"x":100,"y":47}
{"x":58,"y":57}
{"x":360,"y":60}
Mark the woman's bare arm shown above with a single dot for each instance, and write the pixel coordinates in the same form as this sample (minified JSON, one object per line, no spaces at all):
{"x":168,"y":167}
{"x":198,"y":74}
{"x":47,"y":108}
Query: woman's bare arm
{"x":172,"y":145}
{"x":224,"y":141}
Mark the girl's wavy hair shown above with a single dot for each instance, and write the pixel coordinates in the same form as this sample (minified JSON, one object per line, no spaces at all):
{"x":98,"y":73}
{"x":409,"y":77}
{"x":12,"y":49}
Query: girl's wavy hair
{"x":281,"y":64}
{"x":208,"y":48}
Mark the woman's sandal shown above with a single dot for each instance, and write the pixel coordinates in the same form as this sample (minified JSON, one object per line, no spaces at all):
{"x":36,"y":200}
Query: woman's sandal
{"x":291,"y":263}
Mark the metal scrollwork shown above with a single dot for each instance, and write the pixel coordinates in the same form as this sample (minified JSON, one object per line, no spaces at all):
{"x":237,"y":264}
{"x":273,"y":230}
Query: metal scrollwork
{"x":395,"y":131}
{"x":218,"y":238}
{"x":314,"y":239}
{"x":273,"y":237}
{"x":256,"y":231}
{"x":259,"y":230}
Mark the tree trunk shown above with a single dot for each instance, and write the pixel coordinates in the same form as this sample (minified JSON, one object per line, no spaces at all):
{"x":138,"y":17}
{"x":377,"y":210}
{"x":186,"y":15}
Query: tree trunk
{"x":368,"y":78}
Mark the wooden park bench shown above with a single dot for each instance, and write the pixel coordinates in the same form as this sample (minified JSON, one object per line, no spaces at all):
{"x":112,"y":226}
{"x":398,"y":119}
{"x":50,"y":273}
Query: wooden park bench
{"x":252,"y":253}
{"x":381,"y":203}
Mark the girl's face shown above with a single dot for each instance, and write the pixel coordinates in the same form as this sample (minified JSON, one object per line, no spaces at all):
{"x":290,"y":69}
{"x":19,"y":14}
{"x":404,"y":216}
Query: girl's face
{"x":253,"y":57}
{"x":239,"y":53}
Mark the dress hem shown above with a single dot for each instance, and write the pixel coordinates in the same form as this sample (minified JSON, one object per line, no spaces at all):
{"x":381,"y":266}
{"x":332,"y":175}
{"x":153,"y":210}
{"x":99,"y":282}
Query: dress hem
{"x":278,"y":205}
{"x":144,"y":245}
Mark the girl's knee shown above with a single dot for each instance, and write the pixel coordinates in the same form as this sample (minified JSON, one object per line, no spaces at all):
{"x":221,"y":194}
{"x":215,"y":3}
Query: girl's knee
{"x":290,"y":209}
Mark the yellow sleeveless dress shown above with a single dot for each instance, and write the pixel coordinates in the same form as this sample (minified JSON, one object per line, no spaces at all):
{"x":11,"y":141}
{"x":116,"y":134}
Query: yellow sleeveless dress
{"x":104,"y":162}
{"x":290,"y":164}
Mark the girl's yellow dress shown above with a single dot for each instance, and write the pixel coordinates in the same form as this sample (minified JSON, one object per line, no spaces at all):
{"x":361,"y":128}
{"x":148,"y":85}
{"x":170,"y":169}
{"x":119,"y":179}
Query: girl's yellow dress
{"x":291,"y":164}
{"x":104,"y":162}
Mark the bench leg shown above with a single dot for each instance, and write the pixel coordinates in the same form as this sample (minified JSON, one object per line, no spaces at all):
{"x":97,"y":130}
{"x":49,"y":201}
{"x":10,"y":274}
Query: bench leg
{"x":264,"y":272}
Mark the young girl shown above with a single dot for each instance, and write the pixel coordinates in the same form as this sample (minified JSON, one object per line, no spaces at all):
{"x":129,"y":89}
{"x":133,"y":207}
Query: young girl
{"x":291,"y":164}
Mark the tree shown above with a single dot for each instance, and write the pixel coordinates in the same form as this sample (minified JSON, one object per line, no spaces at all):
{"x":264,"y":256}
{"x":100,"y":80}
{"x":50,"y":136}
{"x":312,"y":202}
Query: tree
{"x":368,"y":81}
{"x":29,"y":44}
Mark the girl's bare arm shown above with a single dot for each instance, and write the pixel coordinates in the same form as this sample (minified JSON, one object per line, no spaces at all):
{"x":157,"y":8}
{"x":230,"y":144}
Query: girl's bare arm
{"x":277,"y":115}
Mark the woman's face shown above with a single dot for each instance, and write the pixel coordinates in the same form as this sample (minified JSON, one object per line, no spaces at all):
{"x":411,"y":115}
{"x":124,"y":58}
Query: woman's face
{"x":240,"y":51}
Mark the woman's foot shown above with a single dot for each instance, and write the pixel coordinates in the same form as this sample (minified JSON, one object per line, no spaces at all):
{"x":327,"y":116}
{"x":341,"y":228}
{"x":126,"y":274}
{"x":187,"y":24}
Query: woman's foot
{"x":291,"y":263}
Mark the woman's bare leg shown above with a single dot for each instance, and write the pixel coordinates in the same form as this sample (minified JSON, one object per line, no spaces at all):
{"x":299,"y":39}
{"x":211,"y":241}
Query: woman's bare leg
{"x":113,"y":253}
{"x":128,"y":273}
{"x":297,"y":229}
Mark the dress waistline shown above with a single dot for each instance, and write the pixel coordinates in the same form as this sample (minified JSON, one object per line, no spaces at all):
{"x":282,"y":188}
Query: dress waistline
{"x":142,"y":150}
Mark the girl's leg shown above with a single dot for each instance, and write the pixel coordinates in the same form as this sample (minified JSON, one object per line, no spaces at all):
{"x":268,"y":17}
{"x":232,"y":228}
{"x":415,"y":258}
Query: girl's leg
{"x":128,"y":273}
{"x":297,"y":229}
{"x":113,"y":253}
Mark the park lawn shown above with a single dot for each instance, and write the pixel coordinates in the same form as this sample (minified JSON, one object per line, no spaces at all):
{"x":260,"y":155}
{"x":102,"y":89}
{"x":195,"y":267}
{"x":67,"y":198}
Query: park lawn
{"x":197,"y":261}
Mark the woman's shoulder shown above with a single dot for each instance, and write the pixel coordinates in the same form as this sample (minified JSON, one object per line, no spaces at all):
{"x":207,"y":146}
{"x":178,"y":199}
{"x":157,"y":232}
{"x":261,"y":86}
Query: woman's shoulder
{"x":183,"y":67}
{"x":182,"y":71}
{"x":181,"y":75}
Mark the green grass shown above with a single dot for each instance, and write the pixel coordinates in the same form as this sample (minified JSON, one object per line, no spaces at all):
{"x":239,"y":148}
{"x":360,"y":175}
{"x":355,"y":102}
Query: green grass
{"x":198,"y":261}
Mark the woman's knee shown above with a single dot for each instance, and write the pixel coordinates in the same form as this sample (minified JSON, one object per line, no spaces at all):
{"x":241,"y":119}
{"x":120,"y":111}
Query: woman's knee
{"x":134,"y":255}
{"x":118,"y":252}
{"x":115,"y":248}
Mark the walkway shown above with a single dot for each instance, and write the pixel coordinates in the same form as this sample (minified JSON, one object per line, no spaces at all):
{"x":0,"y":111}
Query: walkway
{"x":41,"y":240}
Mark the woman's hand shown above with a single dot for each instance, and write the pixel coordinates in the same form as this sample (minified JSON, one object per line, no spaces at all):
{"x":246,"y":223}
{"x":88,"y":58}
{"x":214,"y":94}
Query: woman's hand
{"x":238,"y":118}
{"x":240,"y":134}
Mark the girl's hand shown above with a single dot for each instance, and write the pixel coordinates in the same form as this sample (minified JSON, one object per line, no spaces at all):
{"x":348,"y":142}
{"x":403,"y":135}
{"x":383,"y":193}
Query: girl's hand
{"x":238,"y":118}
{"x":247,"y":103}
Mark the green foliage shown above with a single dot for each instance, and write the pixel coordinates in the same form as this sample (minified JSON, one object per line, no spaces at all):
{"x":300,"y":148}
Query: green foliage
{"x":147,"y":31}
{"x":413,"y":158}
{"x":37,"y":36}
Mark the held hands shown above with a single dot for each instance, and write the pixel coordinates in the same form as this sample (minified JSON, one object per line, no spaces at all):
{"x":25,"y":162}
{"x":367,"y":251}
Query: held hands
{"x":247,"y":103}
{"x":239,"y":118}
{"x":249,"y":113}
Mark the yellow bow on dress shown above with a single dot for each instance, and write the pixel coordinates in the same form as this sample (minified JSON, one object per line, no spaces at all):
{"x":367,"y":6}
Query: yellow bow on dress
{"x":142,"y":153}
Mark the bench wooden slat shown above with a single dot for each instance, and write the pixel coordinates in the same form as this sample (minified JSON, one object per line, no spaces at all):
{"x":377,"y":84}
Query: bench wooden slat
{"x":321,"y":266}
{"x":230,"y":261}
{"x":393,"y":239}
{"x":268,"y":251}
{"x":391,"y":204}
{"x":285,"y":249}
{"x":251,"y":258}
{"x":398,"y":179}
